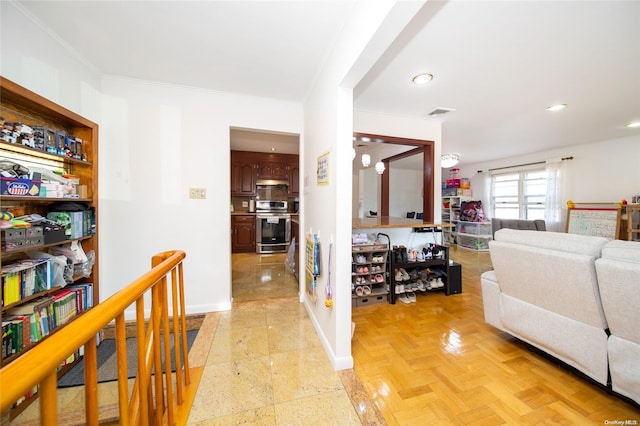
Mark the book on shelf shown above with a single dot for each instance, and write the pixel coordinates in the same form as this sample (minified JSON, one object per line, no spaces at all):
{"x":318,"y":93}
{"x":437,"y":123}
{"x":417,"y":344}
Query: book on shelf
{"x":25,"y":277}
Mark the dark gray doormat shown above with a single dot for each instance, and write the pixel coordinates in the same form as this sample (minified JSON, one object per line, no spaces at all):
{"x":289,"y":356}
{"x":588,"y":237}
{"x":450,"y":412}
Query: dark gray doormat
{"x":108,"y":362}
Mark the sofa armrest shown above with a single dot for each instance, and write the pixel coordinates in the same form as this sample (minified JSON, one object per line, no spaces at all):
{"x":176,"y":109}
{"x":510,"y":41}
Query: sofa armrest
{"x":491,"y":299}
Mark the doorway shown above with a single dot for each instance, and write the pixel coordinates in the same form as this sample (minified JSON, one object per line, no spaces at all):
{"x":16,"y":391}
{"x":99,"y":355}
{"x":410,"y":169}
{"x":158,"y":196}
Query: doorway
{"x":257,"y":276}
{"x":390,"y":151}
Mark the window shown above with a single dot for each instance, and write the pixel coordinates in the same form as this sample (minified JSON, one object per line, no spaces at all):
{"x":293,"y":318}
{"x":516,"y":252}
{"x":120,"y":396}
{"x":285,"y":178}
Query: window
{"x":519,"y":195}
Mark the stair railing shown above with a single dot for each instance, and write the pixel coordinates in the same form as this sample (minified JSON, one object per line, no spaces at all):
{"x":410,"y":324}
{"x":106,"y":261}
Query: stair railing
{"x":153,"y":399}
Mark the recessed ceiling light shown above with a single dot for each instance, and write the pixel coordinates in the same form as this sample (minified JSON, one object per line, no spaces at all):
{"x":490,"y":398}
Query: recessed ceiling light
{"x":634,"y":124}
{"x":422,"y":78}
{"x":557,"y":107}
{"x":273,"y":150}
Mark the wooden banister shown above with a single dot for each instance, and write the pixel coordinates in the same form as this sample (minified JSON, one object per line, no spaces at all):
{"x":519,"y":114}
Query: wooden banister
{"x":153,"y":399}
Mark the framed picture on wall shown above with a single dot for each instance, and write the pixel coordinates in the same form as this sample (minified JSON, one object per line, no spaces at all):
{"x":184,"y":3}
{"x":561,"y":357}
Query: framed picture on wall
{"x":322,"y":169}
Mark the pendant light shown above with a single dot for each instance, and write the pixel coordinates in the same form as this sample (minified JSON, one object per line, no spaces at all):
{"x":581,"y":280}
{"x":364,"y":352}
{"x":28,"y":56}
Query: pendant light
{"x":380,"y":167}
{"x":449,"y":160}
{"x":366,"y":160}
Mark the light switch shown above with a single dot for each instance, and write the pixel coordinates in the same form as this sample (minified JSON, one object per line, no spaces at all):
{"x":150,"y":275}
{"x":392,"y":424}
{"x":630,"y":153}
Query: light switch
{"x":198,"y":193}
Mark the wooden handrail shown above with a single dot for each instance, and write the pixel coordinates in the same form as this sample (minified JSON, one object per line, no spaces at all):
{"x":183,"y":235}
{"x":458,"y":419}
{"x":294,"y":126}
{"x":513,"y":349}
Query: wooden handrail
{"x":153,"y":399}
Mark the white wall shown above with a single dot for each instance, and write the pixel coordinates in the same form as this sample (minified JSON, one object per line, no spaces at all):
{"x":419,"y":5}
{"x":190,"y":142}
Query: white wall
{"x":328,"y":127}
{"x":32,"y":58}
{"x":606,"y":171}
{"x":405,"y":191}
{"x":156,"y":142}
{"x":367,"y":195}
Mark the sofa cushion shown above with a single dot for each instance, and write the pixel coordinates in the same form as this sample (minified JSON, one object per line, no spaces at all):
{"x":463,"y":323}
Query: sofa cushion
{"x":553,"y":271}
{"x":626,"y":251}
{"x":524,"y":225}
{"x":619,"y":279}
{"x":570,"y":243}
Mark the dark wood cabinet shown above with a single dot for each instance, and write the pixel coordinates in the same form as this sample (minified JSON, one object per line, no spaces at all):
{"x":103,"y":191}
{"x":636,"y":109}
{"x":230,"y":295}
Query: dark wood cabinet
{"x":248,"y":167}
{"x":273,"y":171}
{"x":243,"y":178}
{"x":243,"y":233}
{"x":294,"y":179}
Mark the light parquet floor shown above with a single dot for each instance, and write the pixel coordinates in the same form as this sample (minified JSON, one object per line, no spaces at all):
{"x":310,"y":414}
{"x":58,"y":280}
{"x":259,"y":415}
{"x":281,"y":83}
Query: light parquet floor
{"x":431,"y":362}
{"x":437,"y":362}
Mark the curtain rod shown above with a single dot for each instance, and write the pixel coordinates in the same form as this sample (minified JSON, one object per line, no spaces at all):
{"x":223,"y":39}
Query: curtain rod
{"x":522,"y":165}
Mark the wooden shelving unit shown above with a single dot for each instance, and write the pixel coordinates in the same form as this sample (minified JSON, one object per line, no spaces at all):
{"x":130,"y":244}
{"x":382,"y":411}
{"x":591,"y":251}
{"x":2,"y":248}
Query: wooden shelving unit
{"x":18,"y":104}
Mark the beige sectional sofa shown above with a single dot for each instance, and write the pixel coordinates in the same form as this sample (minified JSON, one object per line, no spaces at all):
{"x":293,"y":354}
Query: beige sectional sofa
{"x":618,"y":273}
{"x":577,"y":298}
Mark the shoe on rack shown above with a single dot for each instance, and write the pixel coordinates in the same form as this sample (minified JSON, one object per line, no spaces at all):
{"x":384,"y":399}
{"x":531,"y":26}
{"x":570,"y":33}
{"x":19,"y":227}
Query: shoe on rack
{"x":440,"y":283}
{"x":399,"y":276}
{"x":411,"y":296}
{"x":404,"y":299}
{"x":411,"y":255}
{"x":359,"y":291}
{"x":403,"y":253}
{"x":427,"y":252}
{"x":379,"y":278}
{"x":361,"y":259}
{"x":421,"y":286}
{"x":366,"y":290}
{"x":397,"y":255}
{"x":434,"y":283}
{"x":405,"y":275}
{"x":365,"y":270}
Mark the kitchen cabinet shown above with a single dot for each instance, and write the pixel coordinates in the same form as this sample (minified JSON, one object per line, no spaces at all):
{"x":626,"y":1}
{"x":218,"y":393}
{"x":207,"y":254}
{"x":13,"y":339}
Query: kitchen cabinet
{"x":21,"y":297}
{"x":247,"y":167}
{"x":294,"y":179}
{"x":278,"y":171}
{"x":243,"y":233}
{"x":243,"y":178}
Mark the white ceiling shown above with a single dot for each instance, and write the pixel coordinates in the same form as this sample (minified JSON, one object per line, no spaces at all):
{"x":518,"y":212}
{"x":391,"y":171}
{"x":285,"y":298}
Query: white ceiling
{"x":499,"y":64}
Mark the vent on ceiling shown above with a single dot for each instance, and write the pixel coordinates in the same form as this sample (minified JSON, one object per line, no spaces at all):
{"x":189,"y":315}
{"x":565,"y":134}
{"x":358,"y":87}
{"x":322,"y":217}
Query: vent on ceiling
{"x":440,"y":111}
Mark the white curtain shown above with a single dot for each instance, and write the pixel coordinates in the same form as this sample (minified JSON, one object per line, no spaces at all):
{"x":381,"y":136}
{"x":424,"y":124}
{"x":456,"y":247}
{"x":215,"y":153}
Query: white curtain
{"x":490,"y":210}
{"x":554,"y":214}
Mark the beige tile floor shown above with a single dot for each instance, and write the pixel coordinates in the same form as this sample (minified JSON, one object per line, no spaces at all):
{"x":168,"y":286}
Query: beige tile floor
{"x":263,"y":361}
{"x":266,"y":366}
{"x":257,"y":277}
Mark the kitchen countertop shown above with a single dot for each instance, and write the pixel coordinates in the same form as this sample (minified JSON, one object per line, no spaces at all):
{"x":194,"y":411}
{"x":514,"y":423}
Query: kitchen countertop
{"x":254,"y":213}
{"x":394,"y":222}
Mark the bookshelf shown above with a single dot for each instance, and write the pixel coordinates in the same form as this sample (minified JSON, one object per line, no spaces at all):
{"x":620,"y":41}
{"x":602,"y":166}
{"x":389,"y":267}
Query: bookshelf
{"x":42,"y":296}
